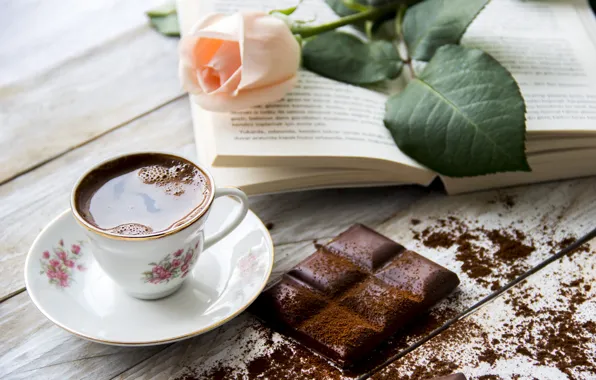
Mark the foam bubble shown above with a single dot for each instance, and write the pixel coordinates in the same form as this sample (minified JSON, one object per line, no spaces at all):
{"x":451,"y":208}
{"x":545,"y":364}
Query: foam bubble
{"x":171,"y":178}
{"x":131,"y":229}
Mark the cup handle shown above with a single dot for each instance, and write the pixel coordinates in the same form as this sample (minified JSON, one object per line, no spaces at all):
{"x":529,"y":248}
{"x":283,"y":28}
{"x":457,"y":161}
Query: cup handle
{"x":238,"y":218}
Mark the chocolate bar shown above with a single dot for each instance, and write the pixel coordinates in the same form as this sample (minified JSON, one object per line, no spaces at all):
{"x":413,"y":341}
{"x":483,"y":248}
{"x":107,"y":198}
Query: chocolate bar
{"x":455,"y":376}
{"x":352,"y":294}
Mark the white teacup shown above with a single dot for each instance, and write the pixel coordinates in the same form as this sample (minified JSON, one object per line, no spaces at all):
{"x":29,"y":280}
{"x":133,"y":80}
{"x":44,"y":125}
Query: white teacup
{"x":155,"y":265}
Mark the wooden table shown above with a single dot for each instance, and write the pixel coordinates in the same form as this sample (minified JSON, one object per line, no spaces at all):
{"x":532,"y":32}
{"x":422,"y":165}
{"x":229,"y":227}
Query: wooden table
{"x":81,"y":81}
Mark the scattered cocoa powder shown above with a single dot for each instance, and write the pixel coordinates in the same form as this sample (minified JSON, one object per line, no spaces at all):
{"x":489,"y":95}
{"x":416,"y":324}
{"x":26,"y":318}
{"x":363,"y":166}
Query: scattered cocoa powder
{"x":488,"y":256}
{"x":439,"y":239}
{"x":551,"y":336}
{"x":488,"y":356}
{"x":415,"y":221}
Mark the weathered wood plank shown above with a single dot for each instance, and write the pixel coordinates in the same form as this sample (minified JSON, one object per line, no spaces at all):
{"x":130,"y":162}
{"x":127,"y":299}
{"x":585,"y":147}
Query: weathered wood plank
{"x":44,"y":192}
{"x":45,"y":115}
{"x":41,"y":34}
{"x":545,"y":328}
{"x":31,"y":200}
{"x":34,"y":348}
{"x":565,"y":209}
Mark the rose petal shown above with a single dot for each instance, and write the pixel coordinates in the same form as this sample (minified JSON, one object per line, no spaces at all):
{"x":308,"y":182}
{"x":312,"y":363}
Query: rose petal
{"x":224,"y":102}
{"x":270,"y":53}
{"x":219,"y":26}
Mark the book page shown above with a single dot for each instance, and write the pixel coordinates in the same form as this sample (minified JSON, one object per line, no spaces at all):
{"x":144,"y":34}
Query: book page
{"x":320,"y":118}
{"x":548,"y":49}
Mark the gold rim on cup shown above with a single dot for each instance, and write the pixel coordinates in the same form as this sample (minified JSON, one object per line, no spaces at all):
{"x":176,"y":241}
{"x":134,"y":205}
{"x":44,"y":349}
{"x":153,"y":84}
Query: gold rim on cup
{"x":157,"y":235}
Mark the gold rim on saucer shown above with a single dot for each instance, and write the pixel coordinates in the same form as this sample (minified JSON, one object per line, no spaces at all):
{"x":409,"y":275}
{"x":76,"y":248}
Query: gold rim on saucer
{"x":30,"y":254}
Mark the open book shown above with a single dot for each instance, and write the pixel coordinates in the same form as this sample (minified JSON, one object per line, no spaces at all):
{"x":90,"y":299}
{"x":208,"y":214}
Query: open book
{"x":330,"y":134}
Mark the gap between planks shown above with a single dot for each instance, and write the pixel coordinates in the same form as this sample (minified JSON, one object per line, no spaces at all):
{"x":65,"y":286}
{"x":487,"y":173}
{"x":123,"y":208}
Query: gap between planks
{"x":106,"y":132}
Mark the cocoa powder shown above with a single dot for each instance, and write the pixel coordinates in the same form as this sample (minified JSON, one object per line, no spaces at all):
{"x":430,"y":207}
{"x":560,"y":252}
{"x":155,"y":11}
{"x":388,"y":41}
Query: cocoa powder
{"x":510,"y":248}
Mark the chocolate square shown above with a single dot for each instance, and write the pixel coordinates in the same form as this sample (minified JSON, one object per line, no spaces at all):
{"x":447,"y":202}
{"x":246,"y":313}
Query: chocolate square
{"x":364,"y":247}
{"x":418,"y":275}
{"x":380,"y":303}
{"x":290,"y":302}
{"x":327,"y":272}
{"x":353,"y":293}
{"x":339,"y":332}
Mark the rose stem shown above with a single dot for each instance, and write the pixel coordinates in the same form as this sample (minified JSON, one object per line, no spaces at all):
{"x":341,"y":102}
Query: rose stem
{"x":371,"y":14}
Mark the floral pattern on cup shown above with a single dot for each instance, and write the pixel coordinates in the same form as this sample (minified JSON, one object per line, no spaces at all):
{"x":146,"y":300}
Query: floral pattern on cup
{"x":60,"y":265}
{"x":173,"y":265}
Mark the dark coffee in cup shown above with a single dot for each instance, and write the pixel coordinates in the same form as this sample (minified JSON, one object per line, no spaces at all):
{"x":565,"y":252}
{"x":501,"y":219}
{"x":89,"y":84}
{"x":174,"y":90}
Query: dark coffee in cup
{"x":142,"y":194}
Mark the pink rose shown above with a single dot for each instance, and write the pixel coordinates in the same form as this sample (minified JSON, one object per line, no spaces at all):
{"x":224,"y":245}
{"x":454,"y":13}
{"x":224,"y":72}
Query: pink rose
{"x":51,"y":273}
{"x":69,"y":263}
{"x":75,"y":249}
{"x":158,"y":269}
{"x":46,"y":254}
{"x":61,"y":243}
{"x":54,"y":263}
{"x":176,"y":263}
{"x":178,"y":252}
{"x":184,"y":268}
{"x":233,"y":62}
{"x":61,"y":255}
{"x":63,"y":278}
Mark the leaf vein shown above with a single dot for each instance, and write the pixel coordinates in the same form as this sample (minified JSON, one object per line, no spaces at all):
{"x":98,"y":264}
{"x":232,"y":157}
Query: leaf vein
{"x":470,"y":121}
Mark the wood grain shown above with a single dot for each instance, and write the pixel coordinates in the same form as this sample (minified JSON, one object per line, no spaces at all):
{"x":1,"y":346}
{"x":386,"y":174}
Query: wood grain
{"x":85,"y":96}
{"x":508,"y":338}
{"x":40,"y":34}
{"x":34,"y":348}
{"x":31,"y":200}
{"x":44,"y":192}
{"x":565,"y":210}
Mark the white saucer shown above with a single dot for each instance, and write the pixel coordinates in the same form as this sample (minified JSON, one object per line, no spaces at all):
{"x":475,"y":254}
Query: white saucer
{"x":83,"y":300}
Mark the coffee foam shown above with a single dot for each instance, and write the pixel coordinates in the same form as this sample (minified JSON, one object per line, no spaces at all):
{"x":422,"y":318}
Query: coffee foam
{"x":171,"y":178}
{"x":131,"y":229}
{"x":143,"y":194}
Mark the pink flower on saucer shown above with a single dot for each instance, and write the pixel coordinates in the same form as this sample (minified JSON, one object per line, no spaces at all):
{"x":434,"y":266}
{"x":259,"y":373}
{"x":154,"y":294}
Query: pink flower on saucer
{"x":178,"y":252}
{"x":184,"y":268}
{"x":176,"y":263}
{"x":51,"y":273}
{"x":58,"y":266}
{"x":54,"y":263}
{"x":61,"y":255}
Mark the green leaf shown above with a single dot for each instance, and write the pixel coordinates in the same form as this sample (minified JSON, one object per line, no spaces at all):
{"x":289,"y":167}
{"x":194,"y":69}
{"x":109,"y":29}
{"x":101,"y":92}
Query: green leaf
{"x":341,"y":9}
{"x":463,"y":116}
{"x":163,"y":10}
{"x":166,"y":25}
{"x":346,"y":58}
{"x":434,"y":23}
